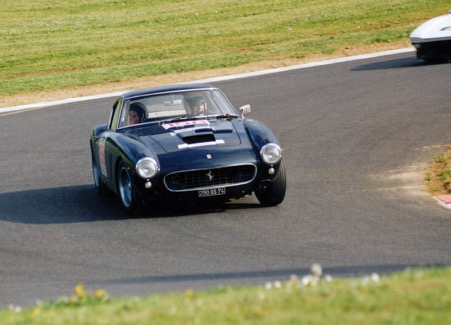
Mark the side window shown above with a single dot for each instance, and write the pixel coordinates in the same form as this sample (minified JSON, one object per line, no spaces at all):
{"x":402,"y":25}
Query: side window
{"x":114,"y":117}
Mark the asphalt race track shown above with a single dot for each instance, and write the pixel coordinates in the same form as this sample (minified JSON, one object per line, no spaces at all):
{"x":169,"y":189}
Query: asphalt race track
{"x":357,"y":136}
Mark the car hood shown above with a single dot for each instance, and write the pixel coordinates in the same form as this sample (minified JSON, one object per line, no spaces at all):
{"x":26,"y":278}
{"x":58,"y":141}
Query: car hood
{"x":176,"y":136}
{"x":435,"y":29}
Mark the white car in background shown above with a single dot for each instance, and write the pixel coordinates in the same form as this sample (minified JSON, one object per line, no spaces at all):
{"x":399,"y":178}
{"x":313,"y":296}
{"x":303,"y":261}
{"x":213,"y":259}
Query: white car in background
{"x":432,"y":39}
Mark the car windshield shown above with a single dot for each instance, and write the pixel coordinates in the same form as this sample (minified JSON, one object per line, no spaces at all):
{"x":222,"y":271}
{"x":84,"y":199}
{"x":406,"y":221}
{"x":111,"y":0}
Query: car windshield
{"x":170,"y":106}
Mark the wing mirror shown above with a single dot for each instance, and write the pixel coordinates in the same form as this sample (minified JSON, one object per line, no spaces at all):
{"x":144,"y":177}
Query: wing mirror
{"x":246,"y":109}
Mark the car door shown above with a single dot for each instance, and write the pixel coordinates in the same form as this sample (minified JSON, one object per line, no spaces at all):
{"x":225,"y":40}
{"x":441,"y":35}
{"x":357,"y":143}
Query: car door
{"x":106,"y":150}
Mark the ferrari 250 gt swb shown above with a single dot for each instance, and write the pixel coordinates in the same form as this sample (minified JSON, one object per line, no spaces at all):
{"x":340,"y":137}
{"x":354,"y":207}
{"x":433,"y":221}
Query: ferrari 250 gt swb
{"x":185,"y":143}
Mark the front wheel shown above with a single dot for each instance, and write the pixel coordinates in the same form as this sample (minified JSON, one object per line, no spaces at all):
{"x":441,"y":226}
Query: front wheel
{"x":274,"y":193}
{"x":126,"y":189}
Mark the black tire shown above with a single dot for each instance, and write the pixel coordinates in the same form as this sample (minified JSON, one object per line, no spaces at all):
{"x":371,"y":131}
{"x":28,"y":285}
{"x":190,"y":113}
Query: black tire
{"x":126,"y":189}
{"x":435,"y":60}
{"x":100,"y":187}
{"x":274,"y":193}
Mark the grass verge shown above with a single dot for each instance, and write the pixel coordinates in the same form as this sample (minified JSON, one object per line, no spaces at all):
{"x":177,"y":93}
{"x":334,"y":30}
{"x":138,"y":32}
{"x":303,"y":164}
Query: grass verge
{"x":57,"y":45}
{"x":414,"y":296}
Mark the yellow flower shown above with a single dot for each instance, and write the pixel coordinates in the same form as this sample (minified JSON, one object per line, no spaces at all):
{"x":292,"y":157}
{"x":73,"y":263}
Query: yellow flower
{"x":36,"y":312}
{"x":80,"y":291}
{"x":189,"y":292}
{"x":100,"y":293}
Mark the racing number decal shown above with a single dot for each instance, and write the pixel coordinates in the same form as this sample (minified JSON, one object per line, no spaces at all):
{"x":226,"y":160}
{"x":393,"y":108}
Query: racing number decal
{"x":102,"y":159}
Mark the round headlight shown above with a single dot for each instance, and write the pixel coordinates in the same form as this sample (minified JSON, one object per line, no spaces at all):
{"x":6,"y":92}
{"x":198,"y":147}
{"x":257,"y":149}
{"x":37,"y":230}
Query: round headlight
{"x":271,"y":153}
{"x":147,"y":167}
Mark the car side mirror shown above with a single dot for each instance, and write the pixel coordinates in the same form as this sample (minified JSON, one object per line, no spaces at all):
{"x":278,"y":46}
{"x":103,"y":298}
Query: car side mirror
{"x":246,"y":109}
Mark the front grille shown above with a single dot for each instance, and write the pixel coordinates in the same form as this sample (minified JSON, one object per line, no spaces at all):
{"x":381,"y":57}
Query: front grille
{"x":435,"y":50}
{"x":209,"y":178}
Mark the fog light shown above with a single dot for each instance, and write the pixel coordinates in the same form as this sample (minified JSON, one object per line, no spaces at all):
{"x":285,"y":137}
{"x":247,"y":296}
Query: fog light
{"x":271,"y":171}
{"x":148,"y":185}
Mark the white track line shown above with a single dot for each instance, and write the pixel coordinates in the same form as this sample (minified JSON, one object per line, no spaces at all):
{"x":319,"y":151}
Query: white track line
{"x":236,"y":76}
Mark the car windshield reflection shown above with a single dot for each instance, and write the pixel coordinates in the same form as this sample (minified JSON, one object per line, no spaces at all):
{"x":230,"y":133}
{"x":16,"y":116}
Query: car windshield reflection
{"x":169,"y":107}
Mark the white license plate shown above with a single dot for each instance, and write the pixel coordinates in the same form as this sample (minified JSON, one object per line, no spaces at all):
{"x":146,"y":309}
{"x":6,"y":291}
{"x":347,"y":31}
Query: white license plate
{"x":212,"y":192}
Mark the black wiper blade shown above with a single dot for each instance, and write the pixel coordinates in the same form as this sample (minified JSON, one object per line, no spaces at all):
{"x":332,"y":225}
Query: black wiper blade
{"x":228,"y":117}
{"x":181,"y":118}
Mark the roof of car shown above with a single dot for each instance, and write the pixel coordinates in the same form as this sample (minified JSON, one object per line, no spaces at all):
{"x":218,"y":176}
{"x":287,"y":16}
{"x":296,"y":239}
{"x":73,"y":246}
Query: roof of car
{"x":164,"y":89}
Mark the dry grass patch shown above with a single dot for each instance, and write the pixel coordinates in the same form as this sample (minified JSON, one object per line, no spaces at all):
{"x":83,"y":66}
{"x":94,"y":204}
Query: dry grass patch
{"x":438,"y":174}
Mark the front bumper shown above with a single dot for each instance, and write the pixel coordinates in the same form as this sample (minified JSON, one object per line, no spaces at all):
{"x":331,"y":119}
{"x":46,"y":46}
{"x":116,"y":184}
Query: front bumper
{"x":437,"y":50}
{"x":241,"y":185}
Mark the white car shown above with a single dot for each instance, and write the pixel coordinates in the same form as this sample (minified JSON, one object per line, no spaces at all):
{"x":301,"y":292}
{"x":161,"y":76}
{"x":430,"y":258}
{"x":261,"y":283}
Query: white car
{"x":432,"y":39}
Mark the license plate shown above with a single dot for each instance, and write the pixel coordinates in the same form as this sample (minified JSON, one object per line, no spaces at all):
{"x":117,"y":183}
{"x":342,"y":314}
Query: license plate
{"x":212,"y":192}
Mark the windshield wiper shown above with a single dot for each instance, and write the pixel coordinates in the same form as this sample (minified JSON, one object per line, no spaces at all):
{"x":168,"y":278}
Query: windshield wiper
{"x":228,"y":117}
{"x":182,"y":118}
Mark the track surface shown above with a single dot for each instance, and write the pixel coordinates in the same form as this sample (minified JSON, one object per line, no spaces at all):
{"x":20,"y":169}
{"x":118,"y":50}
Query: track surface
{"x":356,"y":137}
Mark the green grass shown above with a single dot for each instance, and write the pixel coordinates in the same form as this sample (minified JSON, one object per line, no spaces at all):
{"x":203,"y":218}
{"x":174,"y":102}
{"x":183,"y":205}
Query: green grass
{"x":440,"y":159}
{"x":415,"y":296}
{"x":56,"y":44}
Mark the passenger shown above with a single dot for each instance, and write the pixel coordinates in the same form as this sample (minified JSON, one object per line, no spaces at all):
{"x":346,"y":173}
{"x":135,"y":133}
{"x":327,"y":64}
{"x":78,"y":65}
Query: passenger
{"x":198,"y":106}
{"x":136,"y":113}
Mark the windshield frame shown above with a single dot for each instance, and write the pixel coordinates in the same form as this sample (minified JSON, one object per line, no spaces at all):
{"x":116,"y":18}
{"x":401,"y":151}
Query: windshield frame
{"x":170,"y":105}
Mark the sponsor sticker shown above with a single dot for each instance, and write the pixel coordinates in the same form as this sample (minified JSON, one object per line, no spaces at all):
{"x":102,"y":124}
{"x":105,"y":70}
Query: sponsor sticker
{"x":102,"y":159}
{"x":180,"y":124}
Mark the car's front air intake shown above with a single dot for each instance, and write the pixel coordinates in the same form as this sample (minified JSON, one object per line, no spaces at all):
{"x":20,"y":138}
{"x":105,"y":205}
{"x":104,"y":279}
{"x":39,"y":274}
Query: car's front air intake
{"x":210,"y":178}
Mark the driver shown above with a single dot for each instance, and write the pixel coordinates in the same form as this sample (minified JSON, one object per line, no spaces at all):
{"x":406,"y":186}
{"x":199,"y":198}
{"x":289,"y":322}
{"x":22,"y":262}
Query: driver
{"x":198,"y":106}
{"x":136,"y":113}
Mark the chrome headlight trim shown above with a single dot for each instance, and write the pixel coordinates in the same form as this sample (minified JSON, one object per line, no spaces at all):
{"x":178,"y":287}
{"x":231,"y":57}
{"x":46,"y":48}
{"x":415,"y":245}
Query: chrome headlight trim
{"x":147,"y":167}
{"x":271,"y":153}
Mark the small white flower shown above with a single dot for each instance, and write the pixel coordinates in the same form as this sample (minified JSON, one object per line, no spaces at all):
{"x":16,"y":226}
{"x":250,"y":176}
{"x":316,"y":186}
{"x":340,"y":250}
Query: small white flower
{"x":306,"y":280}
{"x":13,"y":308}
{"x":328,"y":278}
{"x":277,"y":284}
{"x":261,"y":296}
{"x":268,"y":285}
{"x":317,"y":270}
{"x":375,"y":277}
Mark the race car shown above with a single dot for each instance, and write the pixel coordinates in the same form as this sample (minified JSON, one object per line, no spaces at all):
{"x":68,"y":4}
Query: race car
{"x":185,"y":143}
{"x":432,"y":39}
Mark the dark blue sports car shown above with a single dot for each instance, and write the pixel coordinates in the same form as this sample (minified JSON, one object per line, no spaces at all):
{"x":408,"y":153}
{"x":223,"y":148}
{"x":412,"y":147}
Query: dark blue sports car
{"x":185,"y":143}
